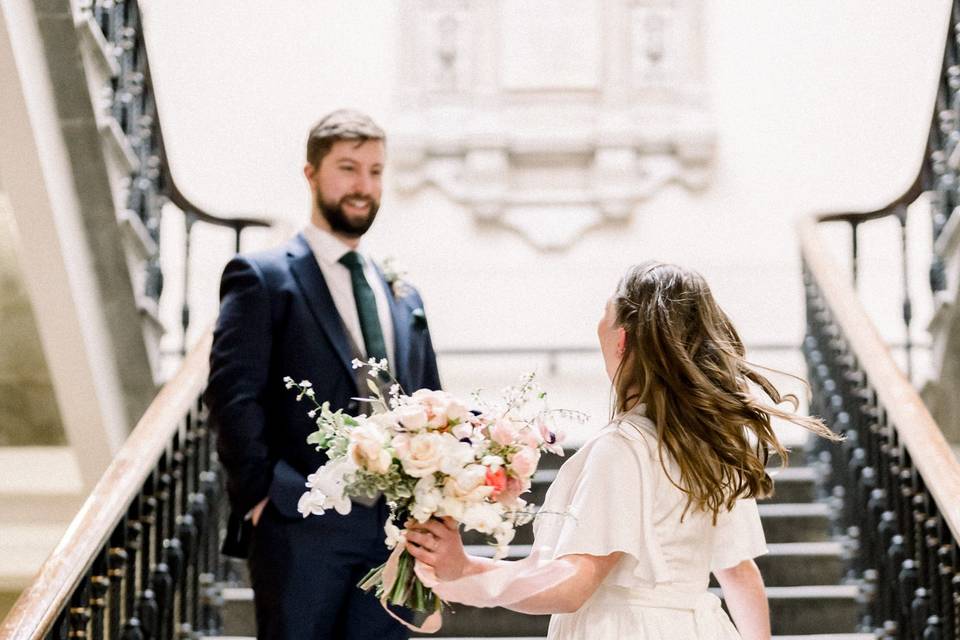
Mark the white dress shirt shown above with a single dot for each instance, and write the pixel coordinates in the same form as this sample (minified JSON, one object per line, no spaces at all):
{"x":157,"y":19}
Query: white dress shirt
{"x":328,"y":250}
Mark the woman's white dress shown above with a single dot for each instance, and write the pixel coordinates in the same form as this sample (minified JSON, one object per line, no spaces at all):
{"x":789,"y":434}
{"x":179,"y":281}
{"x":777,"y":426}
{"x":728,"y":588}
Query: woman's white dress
{"x":613,"y":495}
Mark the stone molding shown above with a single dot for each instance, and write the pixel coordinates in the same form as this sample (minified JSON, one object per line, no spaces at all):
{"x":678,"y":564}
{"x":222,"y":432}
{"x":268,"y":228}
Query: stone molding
{"x":553,"y":130}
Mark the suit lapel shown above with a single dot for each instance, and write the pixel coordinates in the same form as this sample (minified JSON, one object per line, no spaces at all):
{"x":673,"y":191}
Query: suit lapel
{"x":315,"y":291}
{"x":400,"y":314}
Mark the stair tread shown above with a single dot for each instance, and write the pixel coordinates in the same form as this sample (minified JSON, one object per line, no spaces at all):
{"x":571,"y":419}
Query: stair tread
{"x":794,"y":474}
{"x":805,"y":548}
{"x":789,"y":509}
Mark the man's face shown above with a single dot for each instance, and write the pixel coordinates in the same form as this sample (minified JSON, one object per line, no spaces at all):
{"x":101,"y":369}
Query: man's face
{"x":348,"y":184}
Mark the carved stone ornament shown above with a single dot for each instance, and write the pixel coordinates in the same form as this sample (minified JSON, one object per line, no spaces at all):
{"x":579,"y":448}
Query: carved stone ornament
{"x":551,"y":122}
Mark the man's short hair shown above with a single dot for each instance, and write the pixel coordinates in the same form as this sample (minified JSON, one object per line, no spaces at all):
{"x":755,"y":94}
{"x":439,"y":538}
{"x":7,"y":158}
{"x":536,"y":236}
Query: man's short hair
{"x":342,"y":124}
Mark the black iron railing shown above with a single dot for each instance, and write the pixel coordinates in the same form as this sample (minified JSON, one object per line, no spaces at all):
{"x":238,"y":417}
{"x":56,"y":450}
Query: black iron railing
{"x":141,"y":560}
{"x":133,"y":104}
{"x":942,"y":158}
{"x":895,"y":479}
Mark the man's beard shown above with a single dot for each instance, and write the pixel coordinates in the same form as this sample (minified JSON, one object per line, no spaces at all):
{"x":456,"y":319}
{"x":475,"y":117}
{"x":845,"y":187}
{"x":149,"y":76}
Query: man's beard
{"x":333,"y":213}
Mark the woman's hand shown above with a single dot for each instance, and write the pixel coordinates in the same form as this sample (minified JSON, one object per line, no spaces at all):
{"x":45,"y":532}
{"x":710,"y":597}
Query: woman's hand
{"x":437,"y":543}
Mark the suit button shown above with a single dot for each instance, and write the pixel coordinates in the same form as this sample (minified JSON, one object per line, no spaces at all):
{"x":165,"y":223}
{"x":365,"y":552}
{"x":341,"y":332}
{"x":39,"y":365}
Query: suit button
{"x":352,"y":407}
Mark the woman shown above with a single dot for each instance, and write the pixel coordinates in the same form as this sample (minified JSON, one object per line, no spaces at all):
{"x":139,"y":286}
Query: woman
{"x":664,"y":495}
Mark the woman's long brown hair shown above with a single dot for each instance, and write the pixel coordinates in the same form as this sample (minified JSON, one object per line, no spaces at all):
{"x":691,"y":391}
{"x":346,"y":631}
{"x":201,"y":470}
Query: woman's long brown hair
{"x":684,"y":360}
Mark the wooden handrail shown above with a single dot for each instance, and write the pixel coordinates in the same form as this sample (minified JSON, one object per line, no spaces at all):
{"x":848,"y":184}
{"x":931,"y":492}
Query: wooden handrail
{"x":905,"y":199}
{"x":39,"y":605}
{"x":916,"y":428}
{"x":173,"y":192}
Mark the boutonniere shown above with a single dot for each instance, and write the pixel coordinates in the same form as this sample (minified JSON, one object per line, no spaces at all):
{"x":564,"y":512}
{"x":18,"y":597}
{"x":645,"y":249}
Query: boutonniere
{"x":419,"y":318}
{"x":394,"y":274}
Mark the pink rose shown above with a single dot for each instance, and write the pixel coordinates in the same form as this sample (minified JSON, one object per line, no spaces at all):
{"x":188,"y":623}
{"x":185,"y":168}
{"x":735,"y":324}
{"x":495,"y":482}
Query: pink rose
{"x":510,"y":496}
{"x":503,"y":432}
{"x":524,"y":462}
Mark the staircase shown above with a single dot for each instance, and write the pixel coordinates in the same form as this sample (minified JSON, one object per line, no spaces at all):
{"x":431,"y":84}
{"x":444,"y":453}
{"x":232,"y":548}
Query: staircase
{"x":804,"y":571}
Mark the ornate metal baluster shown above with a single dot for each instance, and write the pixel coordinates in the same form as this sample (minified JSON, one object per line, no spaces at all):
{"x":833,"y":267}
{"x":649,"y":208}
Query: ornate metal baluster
{"x":79,"y":611}
{"x":99,"y":587}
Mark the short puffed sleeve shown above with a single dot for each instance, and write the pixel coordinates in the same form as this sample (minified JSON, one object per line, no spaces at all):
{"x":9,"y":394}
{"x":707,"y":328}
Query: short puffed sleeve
{"x":738,"y":535}
{"x":611,"y":505}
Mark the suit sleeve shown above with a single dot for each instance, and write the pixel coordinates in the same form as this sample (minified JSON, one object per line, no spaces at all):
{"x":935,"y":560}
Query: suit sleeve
{"x":239,"y":366}
{"x":431,"y":374}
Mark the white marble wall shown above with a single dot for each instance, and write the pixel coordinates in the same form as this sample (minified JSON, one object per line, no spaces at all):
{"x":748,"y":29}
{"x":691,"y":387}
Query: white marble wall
{"x":816,"y":104}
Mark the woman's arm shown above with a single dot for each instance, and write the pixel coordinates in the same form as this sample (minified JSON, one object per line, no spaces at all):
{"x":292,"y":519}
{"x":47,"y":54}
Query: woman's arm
{"x":438,"y":545}
{"x":569,"y":595}
{"x":746,"y":599}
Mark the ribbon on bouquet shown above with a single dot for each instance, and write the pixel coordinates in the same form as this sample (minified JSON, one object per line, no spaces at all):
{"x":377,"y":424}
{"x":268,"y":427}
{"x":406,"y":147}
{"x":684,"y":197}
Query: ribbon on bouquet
{"x":434,"y":620}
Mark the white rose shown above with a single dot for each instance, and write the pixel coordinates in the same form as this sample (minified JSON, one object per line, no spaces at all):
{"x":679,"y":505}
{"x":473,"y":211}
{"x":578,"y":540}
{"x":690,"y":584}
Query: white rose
{"x":401,"y":445}
{"x":426,"y":499}
{"x":457,"y":411}
{"x":367,"y":449}
{"x":453,"y":507}
{"x":422,"y":455}
{"x":468,"y":484}
{"x":436,"y":404}
{"x":386,"y":421}
{"x":413,"y":417}
{"x":456,"y":455}
{"x":482,"y":516}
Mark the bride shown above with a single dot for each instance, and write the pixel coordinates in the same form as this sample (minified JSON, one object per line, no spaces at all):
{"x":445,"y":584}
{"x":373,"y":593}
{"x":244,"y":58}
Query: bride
{"x":661,"y":497}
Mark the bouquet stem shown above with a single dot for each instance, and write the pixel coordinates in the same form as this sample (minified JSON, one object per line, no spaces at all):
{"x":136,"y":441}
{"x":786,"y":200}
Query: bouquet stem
{"x":406,"y":591}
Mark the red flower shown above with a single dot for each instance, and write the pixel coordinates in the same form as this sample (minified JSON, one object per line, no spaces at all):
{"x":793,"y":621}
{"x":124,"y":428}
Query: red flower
{"x":496,"y":479}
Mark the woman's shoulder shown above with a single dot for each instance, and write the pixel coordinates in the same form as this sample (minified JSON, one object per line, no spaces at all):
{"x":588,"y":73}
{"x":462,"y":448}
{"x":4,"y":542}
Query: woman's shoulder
{"x":633,"y":436}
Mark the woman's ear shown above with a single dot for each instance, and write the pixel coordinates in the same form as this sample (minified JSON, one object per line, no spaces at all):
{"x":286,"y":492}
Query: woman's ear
{"x":621,"y":341}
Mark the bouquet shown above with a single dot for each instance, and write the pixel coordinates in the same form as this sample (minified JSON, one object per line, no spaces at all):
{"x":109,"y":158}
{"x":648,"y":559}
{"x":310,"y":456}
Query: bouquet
{"x":430,"y":456}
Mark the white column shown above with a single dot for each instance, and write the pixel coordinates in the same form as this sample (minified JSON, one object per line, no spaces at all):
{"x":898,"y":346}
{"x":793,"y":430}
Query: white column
{"x":36,"y":183}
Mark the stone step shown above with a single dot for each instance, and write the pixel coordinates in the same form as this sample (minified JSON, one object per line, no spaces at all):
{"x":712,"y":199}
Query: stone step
{"x":793,"y":484}
{"x":790,"y":607}
{"x":796,"y":522}
{"x":791,"y":564}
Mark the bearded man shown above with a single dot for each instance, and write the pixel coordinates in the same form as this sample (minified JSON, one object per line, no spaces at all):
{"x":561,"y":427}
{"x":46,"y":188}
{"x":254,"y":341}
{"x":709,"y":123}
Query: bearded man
{"x":307,"y":310}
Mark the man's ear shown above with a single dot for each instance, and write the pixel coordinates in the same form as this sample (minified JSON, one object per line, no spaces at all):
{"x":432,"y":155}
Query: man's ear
{"x":309,"y":171}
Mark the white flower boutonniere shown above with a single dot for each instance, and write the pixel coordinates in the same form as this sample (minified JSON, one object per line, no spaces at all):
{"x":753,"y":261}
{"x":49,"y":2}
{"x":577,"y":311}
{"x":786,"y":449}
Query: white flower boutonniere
{"x":394,"y":274}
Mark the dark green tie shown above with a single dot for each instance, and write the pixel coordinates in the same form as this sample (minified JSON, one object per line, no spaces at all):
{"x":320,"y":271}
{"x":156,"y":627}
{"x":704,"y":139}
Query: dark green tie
{"x":366,"y":307}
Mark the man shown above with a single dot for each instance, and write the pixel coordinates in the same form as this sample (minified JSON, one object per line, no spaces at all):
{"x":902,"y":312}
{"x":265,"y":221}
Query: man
{"x":306,"y":310}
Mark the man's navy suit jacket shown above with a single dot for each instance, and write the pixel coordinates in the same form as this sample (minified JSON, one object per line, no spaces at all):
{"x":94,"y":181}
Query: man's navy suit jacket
{"x":277,"y":318}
